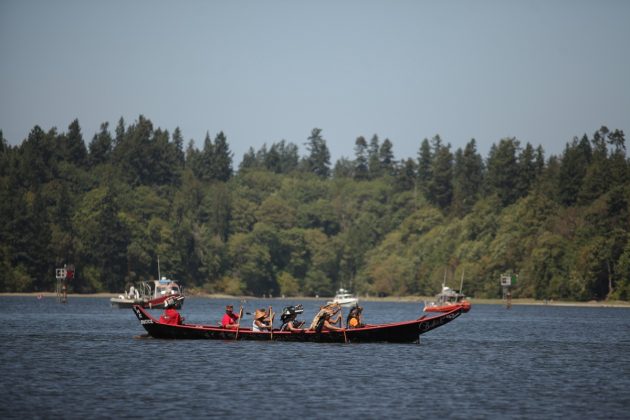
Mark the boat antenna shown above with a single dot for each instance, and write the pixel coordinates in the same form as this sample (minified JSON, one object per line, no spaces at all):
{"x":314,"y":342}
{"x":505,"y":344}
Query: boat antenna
{"x":461,"y":284}
{"x":159,"y":277}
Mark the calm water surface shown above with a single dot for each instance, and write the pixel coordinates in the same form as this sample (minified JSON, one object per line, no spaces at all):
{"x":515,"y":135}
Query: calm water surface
{"x":85,"y":360}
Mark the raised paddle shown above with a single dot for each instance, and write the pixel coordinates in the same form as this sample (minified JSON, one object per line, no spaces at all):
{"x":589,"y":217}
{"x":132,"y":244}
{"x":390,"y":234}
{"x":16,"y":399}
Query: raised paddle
{"x":238,"y":325}
{"x":345,"y":338}
{"x":272,"y":315}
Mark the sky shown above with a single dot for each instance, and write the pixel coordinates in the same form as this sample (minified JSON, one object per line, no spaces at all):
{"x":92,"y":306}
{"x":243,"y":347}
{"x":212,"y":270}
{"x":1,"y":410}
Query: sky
{"x":542,"y":71}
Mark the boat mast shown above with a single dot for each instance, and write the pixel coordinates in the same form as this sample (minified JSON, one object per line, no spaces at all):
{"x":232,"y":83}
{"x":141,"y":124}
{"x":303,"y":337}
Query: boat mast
{"x":159,"y":277}
{"x":461,"y":284}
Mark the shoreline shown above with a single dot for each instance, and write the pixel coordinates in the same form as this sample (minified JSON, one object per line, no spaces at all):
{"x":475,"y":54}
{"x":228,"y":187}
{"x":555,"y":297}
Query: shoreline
{"x":406,"y":299}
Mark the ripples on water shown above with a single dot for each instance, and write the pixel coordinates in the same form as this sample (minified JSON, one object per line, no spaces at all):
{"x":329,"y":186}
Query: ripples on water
{"x":84,"y":359}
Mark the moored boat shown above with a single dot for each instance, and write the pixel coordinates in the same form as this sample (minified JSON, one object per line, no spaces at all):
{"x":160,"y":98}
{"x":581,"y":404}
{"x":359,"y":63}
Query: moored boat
{"x":151,"y":294}
{"x":344,"y":298}
{"x":397,"y":332}
{"x":448,"y":300}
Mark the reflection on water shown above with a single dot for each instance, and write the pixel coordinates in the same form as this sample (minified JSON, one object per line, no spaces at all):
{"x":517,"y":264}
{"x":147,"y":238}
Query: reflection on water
{"x":85,"y":359}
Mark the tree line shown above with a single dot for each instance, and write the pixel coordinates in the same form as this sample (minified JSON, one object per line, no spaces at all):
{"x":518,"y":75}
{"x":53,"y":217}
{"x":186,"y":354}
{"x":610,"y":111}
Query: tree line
{"x":281,"y":223}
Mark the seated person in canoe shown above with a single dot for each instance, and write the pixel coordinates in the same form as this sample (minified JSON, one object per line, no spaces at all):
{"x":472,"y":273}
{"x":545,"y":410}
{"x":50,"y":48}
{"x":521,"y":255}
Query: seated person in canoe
{"x":354,"y":317}
{"x":324,"y":318}
{"x":170,"y":315}
{"x":230,"y":319}
{"x":289,"y":321}
{"x":262,"y":320}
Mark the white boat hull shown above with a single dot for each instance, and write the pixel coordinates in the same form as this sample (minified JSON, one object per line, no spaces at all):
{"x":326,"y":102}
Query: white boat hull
{"x":345,"y":302}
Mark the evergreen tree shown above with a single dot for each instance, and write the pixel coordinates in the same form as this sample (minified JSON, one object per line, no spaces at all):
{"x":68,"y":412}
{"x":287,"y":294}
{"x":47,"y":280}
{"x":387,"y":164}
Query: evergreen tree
{"x":272,"y":161}
{"x":289,"y":156}
{"x":440,"y":188}
{"x":204,"y":170}
{"x":503,"y":170}
{"x":386,"y":158}
{"x":178,"y":148}
{"x":527,"y":170}
{"x":406,"y":179}
{"x":374,"y":161}
{"x":596,"y":180}
{"x":361,"y":159}
{"x":120,"y":132}
{"x":424,"y":166}
{"x":37,"y":158}
{"x":75,"y":151}
{"x":467,"y":178}
{"x":249,"y":160}
{"x":100,"y":146}
{"x":193,"y":158}
{"x":318,"y":160}
{"x":575,"y":162}
{"x":540,"y":160}
{"x":221,"y":158}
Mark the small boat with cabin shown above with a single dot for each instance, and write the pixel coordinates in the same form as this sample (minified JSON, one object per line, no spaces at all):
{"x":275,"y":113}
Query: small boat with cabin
{"x":151,"y":294}
{"x":448,"y":300}
{"x":344,"y":298}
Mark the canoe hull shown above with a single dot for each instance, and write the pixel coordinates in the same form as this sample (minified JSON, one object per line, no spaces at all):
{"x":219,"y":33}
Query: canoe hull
{"x":400,"y":332}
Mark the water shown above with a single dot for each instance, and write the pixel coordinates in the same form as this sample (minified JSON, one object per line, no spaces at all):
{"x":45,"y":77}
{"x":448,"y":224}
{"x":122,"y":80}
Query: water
{"x":85,"y":360}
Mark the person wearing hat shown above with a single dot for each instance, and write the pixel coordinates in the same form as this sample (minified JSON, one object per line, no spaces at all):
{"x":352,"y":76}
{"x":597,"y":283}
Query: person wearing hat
{"x":289,"y":321}
{"x":230,"y":319}
{"x":261,"y":321}
{"x":324,"y":318}
{"x":170,"y":315}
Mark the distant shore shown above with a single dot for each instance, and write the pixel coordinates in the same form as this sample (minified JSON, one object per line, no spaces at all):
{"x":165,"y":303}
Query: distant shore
{"x":593,"y":303}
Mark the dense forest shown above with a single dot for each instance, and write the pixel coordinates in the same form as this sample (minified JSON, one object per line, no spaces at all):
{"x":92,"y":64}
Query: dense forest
{"x":284,"y":224}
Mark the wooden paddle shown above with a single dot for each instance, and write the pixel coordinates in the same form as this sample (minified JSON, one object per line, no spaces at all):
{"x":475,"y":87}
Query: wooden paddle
{"x":272,"y":315}
{"x":238,"y":325}
{"x":345,"y":338}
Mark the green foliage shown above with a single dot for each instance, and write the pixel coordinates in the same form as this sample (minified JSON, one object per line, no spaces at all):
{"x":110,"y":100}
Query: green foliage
{"x":282,"y":225}
{"x":318,"y":160}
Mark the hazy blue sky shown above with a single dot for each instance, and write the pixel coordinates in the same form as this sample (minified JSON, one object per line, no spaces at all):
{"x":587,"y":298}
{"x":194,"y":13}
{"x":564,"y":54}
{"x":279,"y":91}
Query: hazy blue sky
{"x":264,"y":71}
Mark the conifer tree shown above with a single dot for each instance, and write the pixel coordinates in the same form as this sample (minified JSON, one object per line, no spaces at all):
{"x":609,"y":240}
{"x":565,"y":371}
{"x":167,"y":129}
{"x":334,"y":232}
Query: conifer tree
{"x":361,"y":159}
{"x":221,"y":158}
{"x":100,"y":146}
{"x":318,"y":160}
{"x":75,"y":150}
{"x":374,"y":161}
{"x":424,"y":166}
{"x":386,"y":158}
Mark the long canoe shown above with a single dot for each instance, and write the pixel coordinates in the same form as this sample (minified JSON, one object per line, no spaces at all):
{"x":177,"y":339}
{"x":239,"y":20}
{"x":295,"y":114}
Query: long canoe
{"x":397,"y":332}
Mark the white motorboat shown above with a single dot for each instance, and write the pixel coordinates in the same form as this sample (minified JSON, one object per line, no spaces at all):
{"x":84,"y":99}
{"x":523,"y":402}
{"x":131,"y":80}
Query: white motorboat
{"x":344,"y":298}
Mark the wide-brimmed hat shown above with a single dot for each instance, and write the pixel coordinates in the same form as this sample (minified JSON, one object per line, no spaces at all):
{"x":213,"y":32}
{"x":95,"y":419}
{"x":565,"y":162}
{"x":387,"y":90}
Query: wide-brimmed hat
{"x":260,"y":313}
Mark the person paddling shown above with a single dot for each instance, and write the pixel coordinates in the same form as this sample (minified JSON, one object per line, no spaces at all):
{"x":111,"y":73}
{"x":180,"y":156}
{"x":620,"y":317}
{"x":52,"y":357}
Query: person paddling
{"x":230,"y":319}
{"x":261,"y":321}
{"x":289,"y":321}
{"x":170,"y":315}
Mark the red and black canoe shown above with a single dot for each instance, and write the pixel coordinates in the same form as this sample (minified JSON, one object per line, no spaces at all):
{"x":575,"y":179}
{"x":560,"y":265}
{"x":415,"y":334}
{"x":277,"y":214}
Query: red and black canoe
{"x":397,"y":332}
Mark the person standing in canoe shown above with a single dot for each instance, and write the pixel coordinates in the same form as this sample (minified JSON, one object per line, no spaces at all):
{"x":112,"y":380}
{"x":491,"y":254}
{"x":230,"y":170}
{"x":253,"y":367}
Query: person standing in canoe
{"x":170,"y":315}
{"x":230,"y":319}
